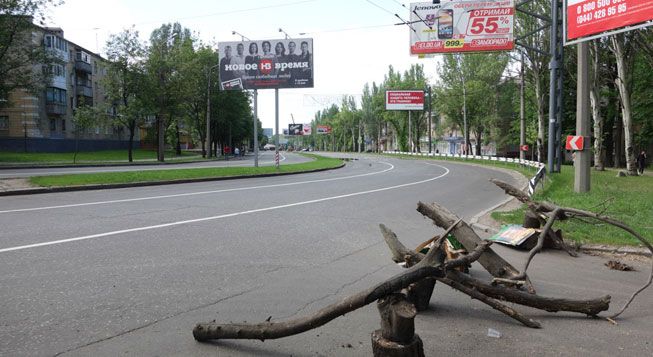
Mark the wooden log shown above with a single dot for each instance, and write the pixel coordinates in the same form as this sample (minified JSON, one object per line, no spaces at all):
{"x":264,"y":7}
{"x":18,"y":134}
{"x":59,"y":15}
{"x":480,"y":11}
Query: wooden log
{"x":397,"y":318}
{"x":588,"y":307}
{"x":420,"y":293}
{"x":385,"y":348}
{"x":490,"y":260}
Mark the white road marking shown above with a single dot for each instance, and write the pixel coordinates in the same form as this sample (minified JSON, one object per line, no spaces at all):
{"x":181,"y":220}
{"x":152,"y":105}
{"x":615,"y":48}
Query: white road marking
{"x":391,"y":167}
{"x":235,"y":214}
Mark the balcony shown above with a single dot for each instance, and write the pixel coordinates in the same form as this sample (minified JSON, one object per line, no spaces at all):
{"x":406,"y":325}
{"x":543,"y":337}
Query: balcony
{"x":84,"y":91}
{"x":83,"y":66}
{"x":55,"y":108}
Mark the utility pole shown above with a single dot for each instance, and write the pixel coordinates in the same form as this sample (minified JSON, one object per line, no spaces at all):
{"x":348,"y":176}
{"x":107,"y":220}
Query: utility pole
{"x":522,"y":119}
{"x":554,"y":68}
{"x":410,"y":133}
{"x":582,"y":159}
{"x":428,"y":88}
{"x":464,"y":114}
{"x":276,"y":127}
{"x":255,"y":127}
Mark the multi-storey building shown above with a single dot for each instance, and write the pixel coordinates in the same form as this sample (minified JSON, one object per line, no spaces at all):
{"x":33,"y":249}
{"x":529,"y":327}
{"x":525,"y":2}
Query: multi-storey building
{"x":43,"y":121}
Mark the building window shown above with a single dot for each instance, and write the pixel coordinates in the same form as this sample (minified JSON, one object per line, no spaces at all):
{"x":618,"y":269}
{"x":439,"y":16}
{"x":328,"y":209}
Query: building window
{"x":48,"y":41}
{"x":4,"y":122}
{"x":63,"y":125}
{"x":53,"y":125}
{"x":83,"y":56}
{"x":55,"y":96}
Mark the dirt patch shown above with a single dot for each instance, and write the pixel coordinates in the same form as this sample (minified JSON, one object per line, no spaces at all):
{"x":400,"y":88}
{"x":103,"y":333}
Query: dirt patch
{"x":14,"y":184}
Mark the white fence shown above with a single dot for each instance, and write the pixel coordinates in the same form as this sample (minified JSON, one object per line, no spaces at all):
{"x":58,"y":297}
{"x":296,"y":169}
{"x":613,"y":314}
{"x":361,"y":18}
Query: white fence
{"x":532,"y":183}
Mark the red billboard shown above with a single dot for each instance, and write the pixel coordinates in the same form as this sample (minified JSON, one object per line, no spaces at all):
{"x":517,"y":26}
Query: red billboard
{"x":404,"y":100}
{"x":590,"y":17}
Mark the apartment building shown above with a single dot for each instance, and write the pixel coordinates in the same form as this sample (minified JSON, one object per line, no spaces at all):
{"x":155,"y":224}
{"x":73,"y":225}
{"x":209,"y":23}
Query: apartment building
{"x":43,"y":122}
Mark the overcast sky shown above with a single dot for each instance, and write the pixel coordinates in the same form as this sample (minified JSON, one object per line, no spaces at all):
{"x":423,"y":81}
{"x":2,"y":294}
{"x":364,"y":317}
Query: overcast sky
{"x":354,"y":40}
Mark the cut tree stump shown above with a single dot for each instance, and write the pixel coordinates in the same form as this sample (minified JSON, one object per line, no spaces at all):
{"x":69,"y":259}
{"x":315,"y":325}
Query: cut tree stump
{"x":397,"y":337}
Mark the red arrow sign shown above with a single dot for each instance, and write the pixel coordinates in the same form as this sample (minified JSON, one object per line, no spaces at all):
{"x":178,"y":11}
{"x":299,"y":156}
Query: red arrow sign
{"x":523,"y":148}
{"x":575,"y":142}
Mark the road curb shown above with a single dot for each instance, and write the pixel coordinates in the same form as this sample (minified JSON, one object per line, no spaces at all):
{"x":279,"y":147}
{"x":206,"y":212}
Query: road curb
{"x":33,"y":191}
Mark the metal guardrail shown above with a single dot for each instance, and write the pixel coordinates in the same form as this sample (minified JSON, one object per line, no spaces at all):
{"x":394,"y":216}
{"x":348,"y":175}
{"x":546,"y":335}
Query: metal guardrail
{"x":532,"y":183}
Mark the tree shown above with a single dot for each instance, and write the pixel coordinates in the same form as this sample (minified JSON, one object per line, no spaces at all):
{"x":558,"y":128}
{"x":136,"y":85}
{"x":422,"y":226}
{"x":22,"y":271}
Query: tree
{"x":19,"y":54}
{"x":85,"y":116}
{"x":622,"y":47}
{"x":125,"y":82}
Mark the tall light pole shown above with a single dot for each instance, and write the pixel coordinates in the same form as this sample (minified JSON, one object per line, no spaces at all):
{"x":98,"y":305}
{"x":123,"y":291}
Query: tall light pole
{"x":242,"y":37}
{"x":208,"y":151}
{"x":284,"y":32}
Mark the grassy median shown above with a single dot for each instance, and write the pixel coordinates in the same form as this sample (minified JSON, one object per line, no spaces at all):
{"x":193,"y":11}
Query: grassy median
{"x":628,"y":199}
{"x":105,"y":156}
{"x":318,"y":162}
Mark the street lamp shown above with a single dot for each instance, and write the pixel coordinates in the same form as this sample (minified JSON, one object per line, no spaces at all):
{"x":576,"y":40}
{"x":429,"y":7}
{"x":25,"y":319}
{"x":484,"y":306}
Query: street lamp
{"x":284,"y":32}
{"x":242,"y":37}
{"x":208,"y":112}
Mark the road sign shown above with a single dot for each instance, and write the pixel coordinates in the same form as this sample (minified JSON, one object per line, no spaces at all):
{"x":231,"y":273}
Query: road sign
{"x":575,"y":142}
{"x":523,"y":148}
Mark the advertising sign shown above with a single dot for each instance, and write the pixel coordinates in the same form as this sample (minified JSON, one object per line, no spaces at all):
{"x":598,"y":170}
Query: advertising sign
{"x":404,"y":100}
{"x":461,"y":26}
{"x":295,"y":129}
{"x":323,"y":129}
{"x":307,"y":129}
{"x":590,"y":17}
{"x":266,"y":64}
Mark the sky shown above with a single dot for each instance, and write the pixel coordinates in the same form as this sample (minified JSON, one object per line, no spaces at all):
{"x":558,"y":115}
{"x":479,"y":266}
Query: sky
{"x":354,"y":40}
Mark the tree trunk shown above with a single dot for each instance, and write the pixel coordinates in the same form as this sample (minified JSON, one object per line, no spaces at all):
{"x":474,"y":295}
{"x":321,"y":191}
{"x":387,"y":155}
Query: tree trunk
{"x":595,"y":102}
{"x":178,"y":144}
{"x":623,"y":76}
{"x":132,"y":130}
{"x":540,"y":117}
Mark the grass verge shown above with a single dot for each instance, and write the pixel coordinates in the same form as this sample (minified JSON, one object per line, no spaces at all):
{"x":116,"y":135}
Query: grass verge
{"x":627,"y":199}
{"x":64,"y":158}
{"x":319,"y":162}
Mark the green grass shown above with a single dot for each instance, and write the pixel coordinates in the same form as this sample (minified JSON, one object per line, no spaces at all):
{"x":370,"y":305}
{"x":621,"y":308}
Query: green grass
{"x":82,"y":157}
{"x":180,"y":174}
{"x":628,"y":199}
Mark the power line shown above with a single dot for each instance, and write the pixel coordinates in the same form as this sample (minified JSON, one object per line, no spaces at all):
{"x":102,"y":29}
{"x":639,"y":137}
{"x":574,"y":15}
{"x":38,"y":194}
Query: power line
{"x":380,"y":7}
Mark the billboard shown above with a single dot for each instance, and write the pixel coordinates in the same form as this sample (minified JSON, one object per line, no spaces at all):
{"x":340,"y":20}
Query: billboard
{"x":404,"y":100}
{"x":590,"y":17}
{"x":461,"y":26}
{"x":266,"y":64}
{"x":295,"y":129}
{"x":323,"y":129}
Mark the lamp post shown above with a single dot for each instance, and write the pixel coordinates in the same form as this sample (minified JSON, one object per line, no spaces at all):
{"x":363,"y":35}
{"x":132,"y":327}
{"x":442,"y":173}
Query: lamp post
{"x":242,"y":37}
{"x":284,"y":32}
{"x":208,"y":112}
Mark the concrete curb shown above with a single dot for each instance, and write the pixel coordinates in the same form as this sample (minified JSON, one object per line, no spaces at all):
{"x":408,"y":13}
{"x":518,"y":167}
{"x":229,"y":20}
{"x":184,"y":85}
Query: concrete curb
{"x":32,"y":191}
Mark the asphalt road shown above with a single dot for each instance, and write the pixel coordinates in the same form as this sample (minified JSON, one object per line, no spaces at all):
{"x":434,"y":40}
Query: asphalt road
{"x":265,"y":158}
{"x":130,"y":271}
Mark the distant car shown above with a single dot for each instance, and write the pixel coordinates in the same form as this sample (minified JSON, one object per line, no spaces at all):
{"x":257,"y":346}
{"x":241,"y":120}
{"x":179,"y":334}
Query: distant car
{"x":268,"y":147}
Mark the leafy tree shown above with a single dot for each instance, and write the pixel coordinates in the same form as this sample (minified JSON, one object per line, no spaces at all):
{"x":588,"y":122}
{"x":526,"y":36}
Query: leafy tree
{"x":125,"y":83}
{"x":18,"y":51}
{"x":84,"y":117}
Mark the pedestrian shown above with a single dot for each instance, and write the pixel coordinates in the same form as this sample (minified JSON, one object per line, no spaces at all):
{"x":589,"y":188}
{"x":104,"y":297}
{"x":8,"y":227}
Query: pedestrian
{"x":641,"y":162}
{"x":237,"y":151}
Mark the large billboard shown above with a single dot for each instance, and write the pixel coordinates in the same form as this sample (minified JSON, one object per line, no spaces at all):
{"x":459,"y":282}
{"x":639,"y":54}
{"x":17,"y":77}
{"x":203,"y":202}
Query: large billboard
{"x":590,"y":17}
{"x":266,"y":64}
{"x":461,"y":26}
{"x":404,"y":100}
